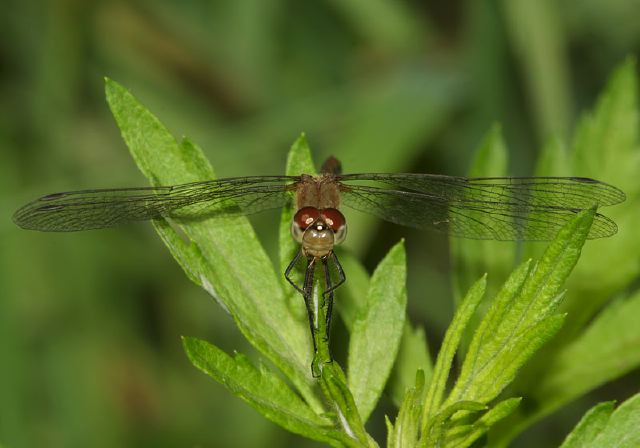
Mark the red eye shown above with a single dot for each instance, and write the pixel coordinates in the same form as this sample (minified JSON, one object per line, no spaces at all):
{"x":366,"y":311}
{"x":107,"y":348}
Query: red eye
{"x":333,"y":218}
{"x":306,"y":216}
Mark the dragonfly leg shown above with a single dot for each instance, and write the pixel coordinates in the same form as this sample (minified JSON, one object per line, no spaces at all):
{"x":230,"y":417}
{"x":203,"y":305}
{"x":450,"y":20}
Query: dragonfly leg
{"x":341,"y":276}
{"x":330,"y":287}
{"x":287,"y":272}
{"x":307,"y":294}
{"x":328,"y":297}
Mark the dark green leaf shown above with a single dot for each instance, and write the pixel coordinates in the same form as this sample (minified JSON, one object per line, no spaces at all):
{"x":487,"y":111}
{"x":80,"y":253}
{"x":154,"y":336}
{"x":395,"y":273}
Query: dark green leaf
{"x":599,"y":355}
{"x":413,"y":356}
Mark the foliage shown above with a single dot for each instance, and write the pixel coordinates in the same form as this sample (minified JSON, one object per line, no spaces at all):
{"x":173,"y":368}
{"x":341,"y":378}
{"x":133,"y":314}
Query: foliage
{"x":226,"y":259}
{"x":602,"y":426}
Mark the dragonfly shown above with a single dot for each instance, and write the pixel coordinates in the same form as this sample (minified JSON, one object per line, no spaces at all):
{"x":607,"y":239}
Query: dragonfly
{"x":484,"y":208}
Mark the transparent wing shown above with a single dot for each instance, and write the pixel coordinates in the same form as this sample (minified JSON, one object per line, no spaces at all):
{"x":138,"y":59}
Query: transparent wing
{"x":569,"y":192}
{"x":95,"y":209}
{"x":531,"y":208}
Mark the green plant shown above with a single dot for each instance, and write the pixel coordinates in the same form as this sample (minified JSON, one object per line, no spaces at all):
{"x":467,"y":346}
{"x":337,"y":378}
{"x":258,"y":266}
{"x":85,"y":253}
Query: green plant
{"x":225,"y":258}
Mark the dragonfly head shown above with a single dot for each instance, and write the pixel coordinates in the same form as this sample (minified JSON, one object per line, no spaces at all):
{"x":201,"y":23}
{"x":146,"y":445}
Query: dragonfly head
{"x":318,"y":230}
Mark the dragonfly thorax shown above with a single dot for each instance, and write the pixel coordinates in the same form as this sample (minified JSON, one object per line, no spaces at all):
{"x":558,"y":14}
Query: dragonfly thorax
{"x":318,"y":230}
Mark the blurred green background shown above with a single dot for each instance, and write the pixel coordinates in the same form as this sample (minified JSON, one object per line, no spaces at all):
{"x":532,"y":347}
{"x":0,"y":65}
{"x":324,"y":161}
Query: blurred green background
{"x":90,"y":323}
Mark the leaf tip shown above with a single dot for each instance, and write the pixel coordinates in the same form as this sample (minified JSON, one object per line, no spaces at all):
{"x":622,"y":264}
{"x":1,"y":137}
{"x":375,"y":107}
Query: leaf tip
{"x":110,"y":84}
{"x":301,"y":140}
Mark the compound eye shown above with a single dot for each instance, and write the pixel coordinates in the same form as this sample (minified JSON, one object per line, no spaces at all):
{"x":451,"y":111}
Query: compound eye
{"x":305,"y":217}
{"x":333,"y":218}
{"x":302,"y":220}
{"x":337,"y":222}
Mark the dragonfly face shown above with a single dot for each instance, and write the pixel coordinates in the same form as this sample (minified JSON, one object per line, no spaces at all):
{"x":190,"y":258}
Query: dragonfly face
{"x":318,"y":230}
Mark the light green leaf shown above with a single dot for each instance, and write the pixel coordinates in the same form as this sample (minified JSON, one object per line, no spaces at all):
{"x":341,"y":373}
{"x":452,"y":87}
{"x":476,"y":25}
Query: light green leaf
{"x":607,"y":147}
{"x":487,"y":340}
{"x":376,"y":333}
{"x":351,"y":300}
{"x":405,"y":432}
{"x":488,"y":382}
{"x":223,"y":255}
{"x":448,"y":349}
{"x":553,"y":160}
{"x":334,"y":386}
{"x":464,"y":436}
{"x":608,"y":137}
{"x":442,"y":422}
{"x":588,"y":428}
{"x":391,"y":442}
{"x":262,"y":389}
{"x":521,"y":318}
{"x":621,"y":429}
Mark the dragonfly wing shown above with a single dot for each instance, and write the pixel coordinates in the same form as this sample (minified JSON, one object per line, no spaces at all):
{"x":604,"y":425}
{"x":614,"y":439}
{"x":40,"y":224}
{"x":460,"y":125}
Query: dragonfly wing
{"x":95,"y":209}
{"x":496,"y":218}
{"x":566,"y":192}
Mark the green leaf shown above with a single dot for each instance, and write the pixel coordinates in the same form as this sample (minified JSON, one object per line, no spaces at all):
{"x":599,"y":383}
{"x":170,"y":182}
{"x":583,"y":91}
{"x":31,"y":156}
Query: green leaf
{"x":521,"y":318}
{"x":588,"y":428}
{"x":441,"y":423}
{"x":487,"y":339}
{"x":450,"y":344}
{"x":376,"y":333}
{"x":223,"y":255}
{"x":262,"y":389}
{"x":406,"y":430}
{"x":469,"y":434}
{"x":608,"y":137}
{"x":599,"y":355}
{"x":553,"y":160}
{"x":602,"y":428}
{"x":334,"y":386}
{"x":352,"y":301}
{"x":606,"y":148}
{"x":489,"y":381}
